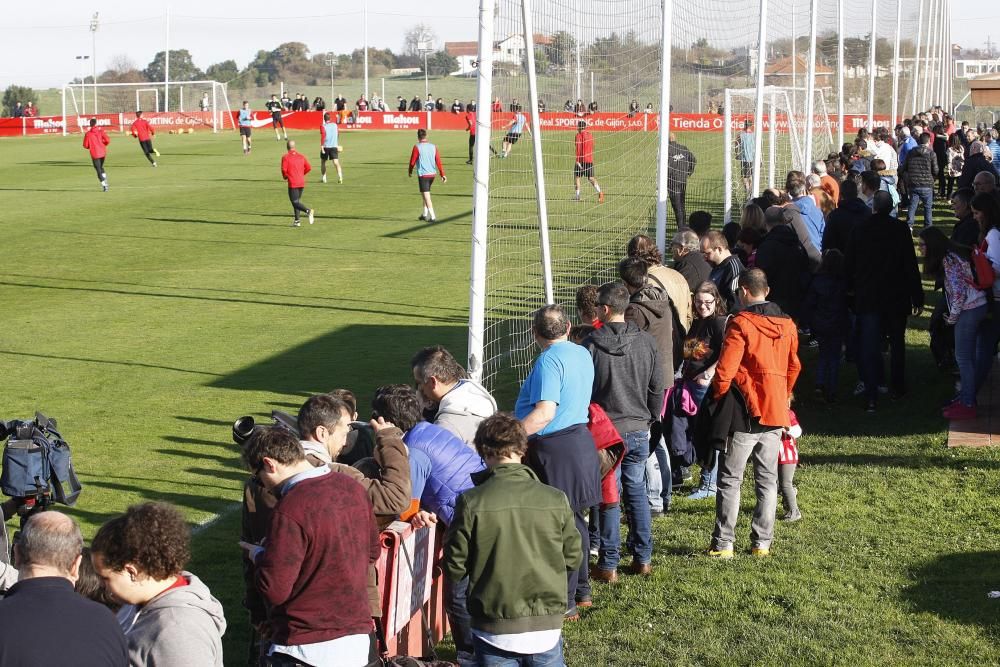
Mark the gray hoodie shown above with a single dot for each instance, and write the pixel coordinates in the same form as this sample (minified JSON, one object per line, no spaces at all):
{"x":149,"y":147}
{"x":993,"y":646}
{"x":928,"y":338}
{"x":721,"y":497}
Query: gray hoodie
{"x":463,"y":408}
{"x":181,"y":627}
{"x":628,"y":380}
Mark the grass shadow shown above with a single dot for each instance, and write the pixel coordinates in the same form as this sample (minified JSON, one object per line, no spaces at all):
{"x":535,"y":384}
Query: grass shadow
{"x":954,"y":587}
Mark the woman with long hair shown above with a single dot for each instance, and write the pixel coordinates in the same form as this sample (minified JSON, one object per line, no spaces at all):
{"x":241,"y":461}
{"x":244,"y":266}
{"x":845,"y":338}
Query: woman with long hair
{"x":702,"y":346}
{"x":965,"y":309}
{"x":986,"y":211}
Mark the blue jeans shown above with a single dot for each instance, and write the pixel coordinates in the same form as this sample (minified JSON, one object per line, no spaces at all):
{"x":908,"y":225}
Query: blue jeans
{"x":659,"y":477}
{"x":966,"y":334}
{"x":456,"y":594}
{"x":632,"y":474}
{"x":610,"y":536}
{"x":488,"y":655}
{"x":925,"y":195}
{"x":827,"y":371}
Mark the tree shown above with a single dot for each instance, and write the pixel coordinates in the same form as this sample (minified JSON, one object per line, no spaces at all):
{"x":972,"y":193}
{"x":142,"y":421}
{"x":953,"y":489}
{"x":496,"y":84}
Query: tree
{"x":562,"y":50}
{"x":417,"y":35}
{"x":225,"y":71}
{"x":182,"y":68}
{"x":15,"y":94}
{"x":122,"y":69}
{"x":441,"y":63}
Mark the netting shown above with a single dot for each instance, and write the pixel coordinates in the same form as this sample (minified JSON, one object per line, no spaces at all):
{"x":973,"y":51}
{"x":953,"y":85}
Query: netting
{"x":603,"y":55}
{"x":205,"y":102}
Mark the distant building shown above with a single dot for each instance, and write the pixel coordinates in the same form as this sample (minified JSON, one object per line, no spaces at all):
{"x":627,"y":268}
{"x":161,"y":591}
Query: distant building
{"x":985,"y":90}
{"x":508,"y":50}
{"x":967,"y":69}
{"x":780,"y":72}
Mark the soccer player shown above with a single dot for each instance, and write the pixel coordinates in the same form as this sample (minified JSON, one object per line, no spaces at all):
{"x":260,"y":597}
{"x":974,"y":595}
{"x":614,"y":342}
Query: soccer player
{"x":745,"y":150}
{"x":584,"y":166}
{"x":329,"y":148}
{"x":143,"y":131}
{"x":294,"y":167}
{"x":427,"y":160}
{"x":514,"y":129}
{"x":470,"y":126}
{"x":246,"y":126}
{"x":274,"y":106}
{"x":96,"y":142}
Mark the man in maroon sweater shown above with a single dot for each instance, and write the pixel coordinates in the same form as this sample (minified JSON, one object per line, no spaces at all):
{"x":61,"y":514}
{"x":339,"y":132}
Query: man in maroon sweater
{"x":313,"y":567}
{"x":294,"y":167}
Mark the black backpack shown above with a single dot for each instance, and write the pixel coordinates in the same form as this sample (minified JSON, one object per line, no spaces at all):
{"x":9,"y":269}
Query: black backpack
{"x":37,"y":462}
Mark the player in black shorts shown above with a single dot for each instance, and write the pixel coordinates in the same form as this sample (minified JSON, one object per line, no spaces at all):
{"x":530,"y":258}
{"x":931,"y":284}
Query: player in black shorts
{"x":274,"y":106}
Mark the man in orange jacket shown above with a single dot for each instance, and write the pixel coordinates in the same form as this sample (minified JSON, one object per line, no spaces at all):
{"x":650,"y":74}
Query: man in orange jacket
{"x":759,"y":357}
{"x":294,"y":167}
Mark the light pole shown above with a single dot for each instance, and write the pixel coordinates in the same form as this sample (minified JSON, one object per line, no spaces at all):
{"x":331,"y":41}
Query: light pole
{"x":93,"y":54}
{"x":330,"y":60}
{"x":367,"y":96}
{"x":83,"y":84}
{"x":424,"y":46}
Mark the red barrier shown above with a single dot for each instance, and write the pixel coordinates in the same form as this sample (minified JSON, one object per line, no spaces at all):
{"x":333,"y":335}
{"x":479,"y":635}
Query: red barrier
{"x":412,"y":589}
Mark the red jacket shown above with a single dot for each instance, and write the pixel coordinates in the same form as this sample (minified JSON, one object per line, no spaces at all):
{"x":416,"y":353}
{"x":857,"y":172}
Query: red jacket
{"x":610,"y":451}
{"x":142,"y":130}
{"x":313,"y":571}
{"x":470,"y":122}
{"x":294,"y":167}
{"x":760,"y":356}
{"x":584,"y":142}
{"x":95,"y":141}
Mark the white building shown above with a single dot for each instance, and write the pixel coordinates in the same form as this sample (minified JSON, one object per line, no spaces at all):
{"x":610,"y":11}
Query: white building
{"x":968,"y":69}
{"x":508,"y":50}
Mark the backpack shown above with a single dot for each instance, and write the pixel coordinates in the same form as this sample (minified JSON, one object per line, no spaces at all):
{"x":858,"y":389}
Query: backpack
{"x":37,"y":462}
{"x":983,"y":274}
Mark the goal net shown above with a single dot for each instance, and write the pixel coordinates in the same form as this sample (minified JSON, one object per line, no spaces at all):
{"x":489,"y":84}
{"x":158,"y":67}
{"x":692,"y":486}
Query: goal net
{"x":205,"y":103}
{"x":788,"y":141}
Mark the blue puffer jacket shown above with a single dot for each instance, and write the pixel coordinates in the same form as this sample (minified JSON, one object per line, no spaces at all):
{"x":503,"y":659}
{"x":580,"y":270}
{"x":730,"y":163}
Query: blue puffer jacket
{"x":452,"y":466}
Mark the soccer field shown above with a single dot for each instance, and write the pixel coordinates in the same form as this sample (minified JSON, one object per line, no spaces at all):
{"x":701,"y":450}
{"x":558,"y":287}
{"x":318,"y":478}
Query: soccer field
{"x":148,"y":318}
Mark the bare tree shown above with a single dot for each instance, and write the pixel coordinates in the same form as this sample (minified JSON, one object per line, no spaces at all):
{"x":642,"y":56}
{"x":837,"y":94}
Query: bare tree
{"x":417,"y":35}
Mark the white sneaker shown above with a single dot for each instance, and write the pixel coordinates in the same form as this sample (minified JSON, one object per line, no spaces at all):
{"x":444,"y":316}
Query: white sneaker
{"x":311,"y":216}
{"x":104,"y":176}
{"x":156,"y":152}
{"x":154,"y":164}
{"x":296,"y":223}
{"x":104,"y":185}
{"x":324,"y":178}
{"x":340,"y":179}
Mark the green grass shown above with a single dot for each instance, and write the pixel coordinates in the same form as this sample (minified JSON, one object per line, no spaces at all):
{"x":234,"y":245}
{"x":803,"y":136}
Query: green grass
{"x":148,"y":318}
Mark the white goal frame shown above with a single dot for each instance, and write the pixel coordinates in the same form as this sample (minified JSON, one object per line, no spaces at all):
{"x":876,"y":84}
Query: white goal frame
{"x":222,"y":117}
{"x":774,"y":98}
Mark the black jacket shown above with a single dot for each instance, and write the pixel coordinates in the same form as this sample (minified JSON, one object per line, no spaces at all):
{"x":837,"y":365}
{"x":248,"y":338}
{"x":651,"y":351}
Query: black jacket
{"x":694,"y":268}
{"x":824,"y":308}
{"x":680,"y":165}
{"x":726,"y":277}
{"x":920,"y":169}
{"x":628,"y":380}
{"x":781,"y":256}
{"x":842,"y":219}
{"x":973,"y":165}
{"x":43,"y":621}
{"x":881,"y":266}
{"x":966,"y":231}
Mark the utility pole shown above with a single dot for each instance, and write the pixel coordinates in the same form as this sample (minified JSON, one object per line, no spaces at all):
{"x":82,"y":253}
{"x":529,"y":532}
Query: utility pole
{"x":93,"y":55}
{"x":330,"y":60}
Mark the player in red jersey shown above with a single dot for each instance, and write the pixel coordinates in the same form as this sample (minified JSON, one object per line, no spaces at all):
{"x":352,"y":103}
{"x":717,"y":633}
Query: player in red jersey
{"x":584,"y":166}
{"x":294,"y":167}
{"x":143,"y":131}
{"x":96,"y":142}
{"x":470,"y":126}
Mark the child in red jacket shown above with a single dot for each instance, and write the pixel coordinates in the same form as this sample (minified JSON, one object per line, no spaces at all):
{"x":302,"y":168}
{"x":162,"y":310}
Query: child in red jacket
{"x":788,"y":459}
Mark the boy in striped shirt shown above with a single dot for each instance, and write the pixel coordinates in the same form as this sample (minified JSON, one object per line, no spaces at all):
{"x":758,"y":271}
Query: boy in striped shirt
{"x":427,"y":160}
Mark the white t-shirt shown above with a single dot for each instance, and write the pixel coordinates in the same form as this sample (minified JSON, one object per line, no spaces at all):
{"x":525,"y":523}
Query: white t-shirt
{"x":349,"y":651}
{"x":525,"y":643}
{"x":993,"y":253}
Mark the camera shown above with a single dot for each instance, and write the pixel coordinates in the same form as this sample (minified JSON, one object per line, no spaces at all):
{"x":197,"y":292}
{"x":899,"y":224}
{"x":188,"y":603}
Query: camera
{"x":245,"y":427}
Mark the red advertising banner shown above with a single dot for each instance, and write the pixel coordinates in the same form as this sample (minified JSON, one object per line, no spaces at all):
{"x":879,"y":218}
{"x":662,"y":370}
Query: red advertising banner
{"x":414,"y":120}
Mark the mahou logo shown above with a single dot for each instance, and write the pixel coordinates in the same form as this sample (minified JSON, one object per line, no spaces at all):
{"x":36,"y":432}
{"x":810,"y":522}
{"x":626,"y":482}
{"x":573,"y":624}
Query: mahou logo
{"x":394,"y":119}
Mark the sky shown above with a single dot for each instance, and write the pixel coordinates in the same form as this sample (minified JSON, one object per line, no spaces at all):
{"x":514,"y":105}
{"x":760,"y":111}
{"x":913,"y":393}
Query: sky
{"x":40,"y":48}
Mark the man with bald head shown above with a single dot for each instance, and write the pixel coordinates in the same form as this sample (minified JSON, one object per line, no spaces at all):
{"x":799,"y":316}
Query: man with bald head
{"x":986,"y":182}
{"x":43,"y":621}
{"x":294,"y":167}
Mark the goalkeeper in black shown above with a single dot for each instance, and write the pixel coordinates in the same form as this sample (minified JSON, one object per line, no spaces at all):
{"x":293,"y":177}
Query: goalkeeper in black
{"x":274,"y":106}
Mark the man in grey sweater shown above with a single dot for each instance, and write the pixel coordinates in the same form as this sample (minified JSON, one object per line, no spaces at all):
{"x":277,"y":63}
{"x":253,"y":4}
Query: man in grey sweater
{"x":629,"y":385}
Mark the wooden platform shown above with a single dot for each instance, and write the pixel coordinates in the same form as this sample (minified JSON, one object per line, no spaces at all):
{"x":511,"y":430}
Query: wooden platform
{"x":984,"y":431}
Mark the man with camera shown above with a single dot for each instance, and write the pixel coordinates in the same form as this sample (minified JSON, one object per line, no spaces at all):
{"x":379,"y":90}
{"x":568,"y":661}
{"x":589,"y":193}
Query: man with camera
{"x":43,"y":601}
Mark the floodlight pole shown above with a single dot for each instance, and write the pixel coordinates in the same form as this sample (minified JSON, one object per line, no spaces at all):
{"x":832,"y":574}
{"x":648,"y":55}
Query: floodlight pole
{"x":481,"y":192}
{"x":895,"y":64}
{"x":810,"y":85}
{"x":367,"y":97}
{"x":928,"y":68}
{"x":916,"y":56}
{"x":663,"y":156}
{"x":427,"y":87}
{"x":93,"y":55}
{"x":758,"y":137}
{"x":83,"y":84}
{"x":330,"y":60}
{"x":576,"y":39}
{"x":166,"y":68}
{"x":840,"y":72}
{"x":871,"y":66}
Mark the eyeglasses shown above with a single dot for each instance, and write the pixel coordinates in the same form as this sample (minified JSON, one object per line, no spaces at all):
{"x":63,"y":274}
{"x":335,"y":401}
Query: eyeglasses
{"x":706,"y":304}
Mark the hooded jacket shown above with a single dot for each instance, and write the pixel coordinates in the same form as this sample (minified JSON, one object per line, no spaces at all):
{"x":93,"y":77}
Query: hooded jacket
{"x":679,"y":292}
{"x":650,"y":309}
{"x":760,"y":356}
{"x":783,"y":259}
{"x":628,"y":379}
{"x":694,"y":268}
{"x":920,"y":168}
{"x":841,"y":221}
{"x":181,"y":627}
{"x":463,"y":408}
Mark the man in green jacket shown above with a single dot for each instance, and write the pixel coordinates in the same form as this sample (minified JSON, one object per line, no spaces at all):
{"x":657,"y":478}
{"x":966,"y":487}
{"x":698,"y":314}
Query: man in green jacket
{"x":515,"y":538}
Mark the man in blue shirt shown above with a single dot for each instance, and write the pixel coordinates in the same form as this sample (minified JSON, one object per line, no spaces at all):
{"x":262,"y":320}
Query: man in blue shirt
{"x":514,"y":129}
{"x":246,"y":126}
{"x":745,"y":150}
{"x":795,"y":185}
{"x":553,"y":406}
{"x":329,"y":137}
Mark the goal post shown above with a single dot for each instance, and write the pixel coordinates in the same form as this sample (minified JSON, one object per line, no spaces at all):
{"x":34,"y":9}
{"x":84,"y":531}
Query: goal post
{"x":127,"y":98}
